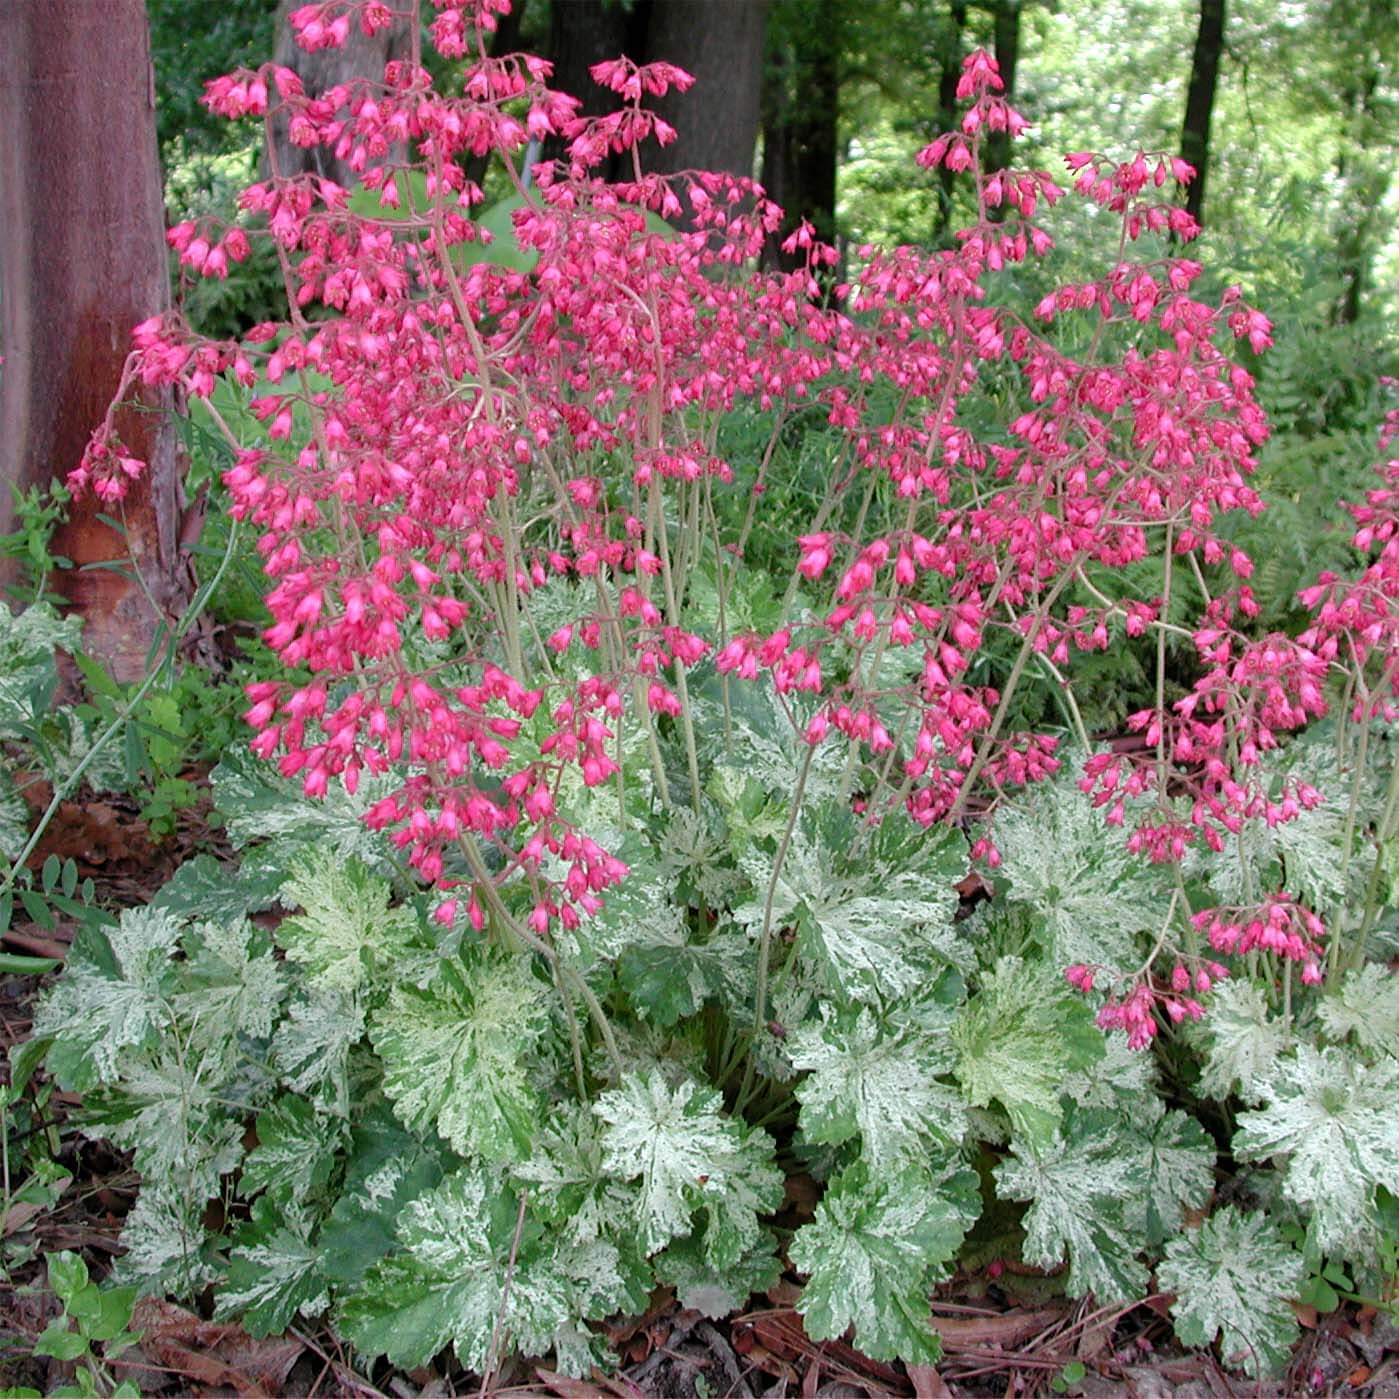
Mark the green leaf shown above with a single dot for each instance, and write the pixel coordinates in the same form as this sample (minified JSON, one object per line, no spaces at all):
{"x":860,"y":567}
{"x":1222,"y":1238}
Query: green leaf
{"x":1330,"y":1122}
{"x":206,"y":888}
{"x":111,"y":997}
{"x":14,"y":964}
{"x":569,"y":1185}
{"x":59,"y":1342}
{"x":1081,"y":1185}
{"x":447,"y":1285}
{"x":688,"y":1158}
{"x":716,"y":1292}
{"x":878,"y":1084}
{"x":345,"y":930}
{"x":1366,"y":1007}
{"x":1233,"y":1277}
{"x":67,"y":1274}
{"x":872,"y":1253}
{"x":387,"y":1168}
{"x":273,"y":1271}
{"x":112,"y":1316}
{"x":1018,"y":1039}
{"x":456,"y":1054}
{"x":295,"y":1151}
{"x":28,"y":674}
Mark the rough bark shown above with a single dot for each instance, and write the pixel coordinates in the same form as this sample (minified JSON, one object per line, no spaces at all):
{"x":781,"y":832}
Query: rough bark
{"x":721,"y":43}
{"x":83,"y":260}
{"x":1199,"y":101}
{"x":360,"y":56}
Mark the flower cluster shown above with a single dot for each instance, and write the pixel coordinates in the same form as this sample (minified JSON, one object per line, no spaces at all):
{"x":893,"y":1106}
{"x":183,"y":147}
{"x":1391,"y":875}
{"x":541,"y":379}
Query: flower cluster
{"x":448,"y":437}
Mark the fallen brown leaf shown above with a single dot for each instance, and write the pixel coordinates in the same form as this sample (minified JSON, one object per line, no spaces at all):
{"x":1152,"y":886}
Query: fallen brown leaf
{"x":927,"y":1383}
{"x":212,"y":1353}
{"x":1006,"y":1329}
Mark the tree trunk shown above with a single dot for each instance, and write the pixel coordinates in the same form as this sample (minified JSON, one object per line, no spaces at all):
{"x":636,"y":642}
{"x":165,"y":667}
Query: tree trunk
{"x":721,"y":43}
{"x":801,"y":112}
{"x":82,"y":261}
{"x":950,"y":70}
{"x":1199,"y":101}
{"x":360,"y":56}
{"x":1007,"y":47}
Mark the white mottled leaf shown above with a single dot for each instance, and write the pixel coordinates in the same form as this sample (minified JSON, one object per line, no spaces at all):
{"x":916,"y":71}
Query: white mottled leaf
{"x":456,"y":1054}
{"x":1367,"y":1007}
{"x":1330,"y":1122}
{"x":345,"y":928}
{"x":688,"y":1157}
{"x":1242,"y":1040}
{"x":872,"y":1253}
{"x":311,"y":1047}
{"x":1080,"y":1185}
{"x":1090,"y":897}
{"x":446,"y":1284}
{"x":111,"y":997}
{"x":272,"y":1271}
{"x":864,"y":1080}
{"x":1234,"y":1277}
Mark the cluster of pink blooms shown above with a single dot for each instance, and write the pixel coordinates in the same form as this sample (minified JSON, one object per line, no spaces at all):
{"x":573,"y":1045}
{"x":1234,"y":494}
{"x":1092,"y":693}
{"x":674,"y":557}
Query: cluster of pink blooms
{"x":454,"y":467}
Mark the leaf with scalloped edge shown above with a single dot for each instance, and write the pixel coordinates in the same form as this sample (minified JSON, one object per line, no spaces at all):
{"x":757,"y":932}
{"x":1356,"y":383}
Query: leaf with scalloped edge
{"x":1233,"y":1277}
{"x":457,"y":1053}
{"x":1018,"y":1039}
{"x":1091,"y":898}
{"x":872,"y":907}
{"x":311,"y":1047}
{"x":873,"y":1252}
{"x":689,"y":1160}
{"x":111,"y":998}
{"x":273,"y":1271}
{"x":257,"y":804}
{"x":446,"y":1283}
{"x":295,"y":1152}
{"x":346,"y":930}
{"x":166,"y":1246}
{"x":1366,"y":1006}
{"x":1177,"y":1160}
{"x":1242,"y":1040}
{"x":716,"y":1292}
{"x":1330,"y":1122}
{"x":880,"y":1085}
{"x":229,"y":982}
{"x":1080,"y":1186}
{"x":387,"y":1167}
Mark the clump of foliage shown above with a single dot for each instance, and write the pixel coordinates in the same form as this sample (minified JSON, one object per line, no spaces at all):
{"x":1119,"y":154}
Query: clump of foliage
{"x":622,"y":866}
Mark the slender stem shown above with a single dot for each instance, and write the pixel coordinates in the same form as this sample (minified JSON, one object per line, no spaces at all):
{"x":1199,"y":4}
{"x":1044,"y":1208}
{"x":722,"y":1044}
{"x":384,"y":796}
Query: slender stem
{"x":760,"y":988}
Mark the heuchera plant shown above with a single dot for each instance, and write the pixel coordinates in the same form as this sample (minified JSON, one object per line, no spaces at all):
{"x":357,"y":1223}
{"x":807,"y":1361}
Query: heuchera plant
{"x":509,"y":510}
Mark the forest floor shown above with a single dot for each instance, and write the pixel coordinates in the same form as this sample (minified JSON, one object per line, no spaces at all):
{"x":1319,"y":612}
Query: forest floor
{"x":1010,"y":1334}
